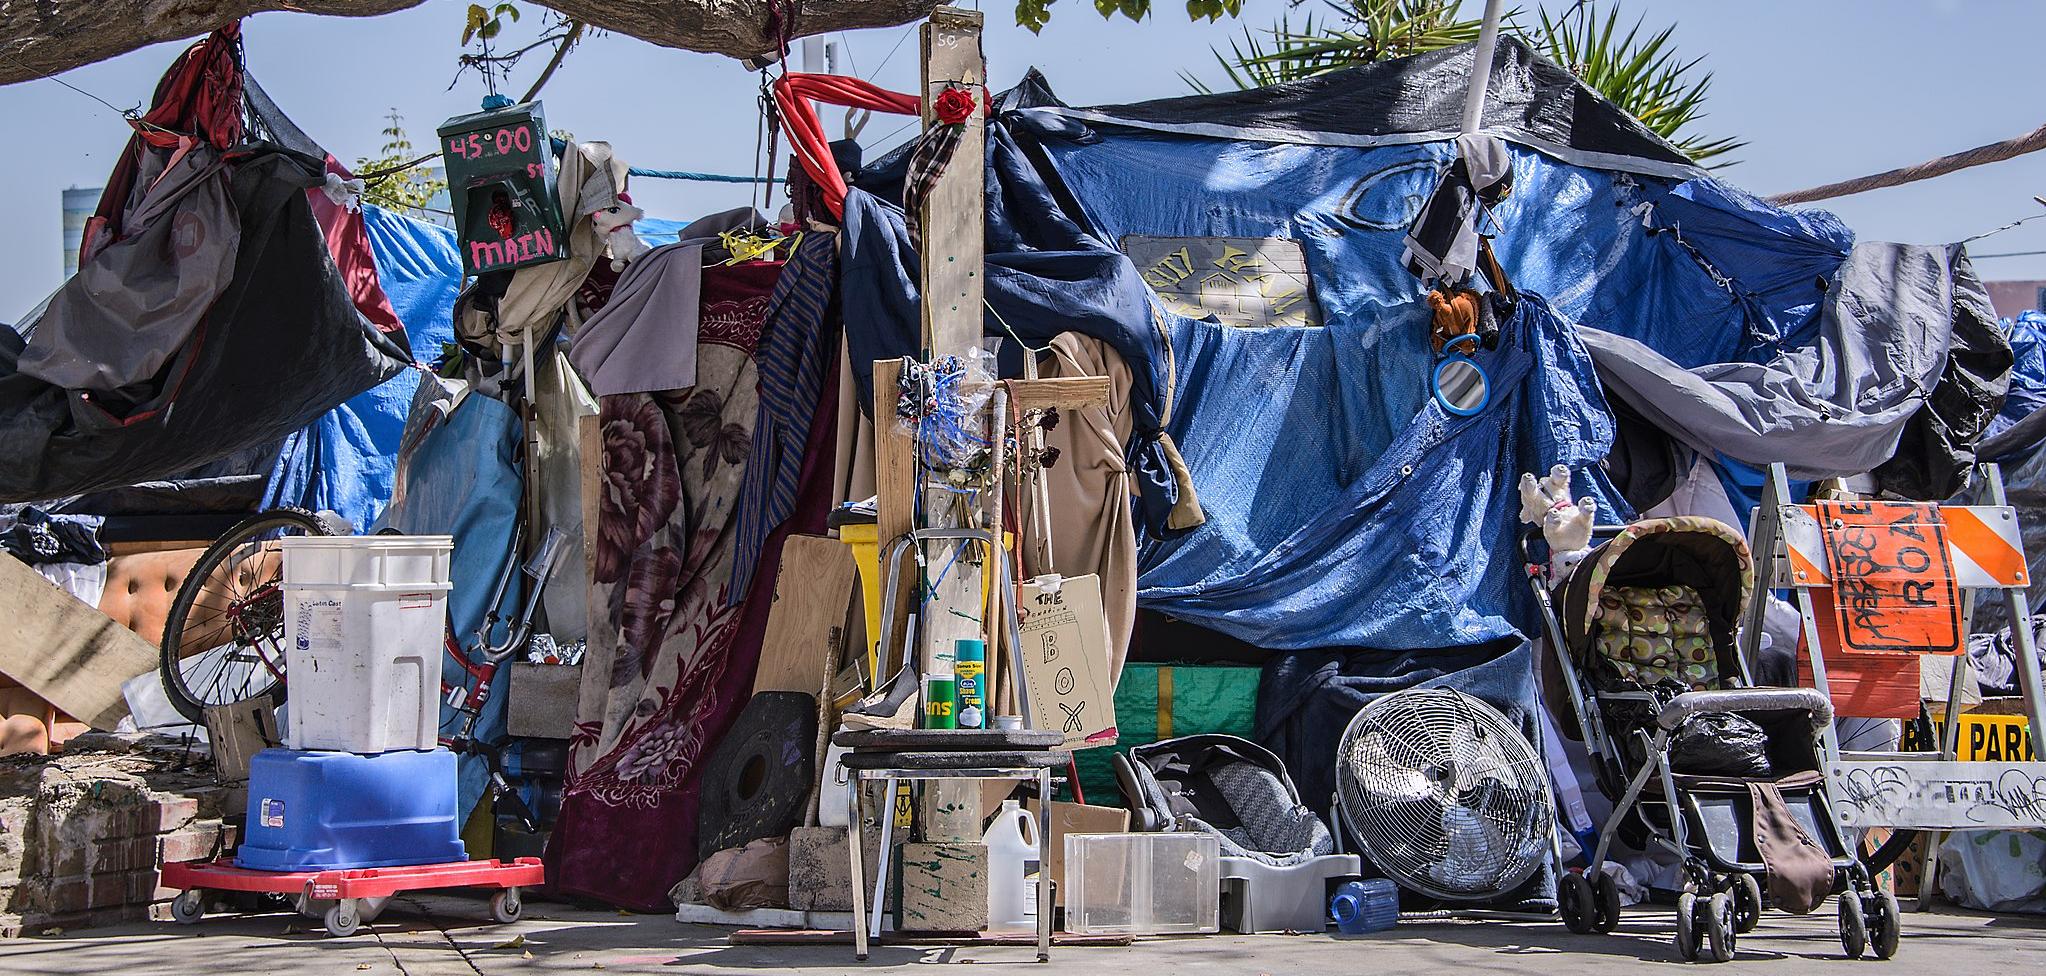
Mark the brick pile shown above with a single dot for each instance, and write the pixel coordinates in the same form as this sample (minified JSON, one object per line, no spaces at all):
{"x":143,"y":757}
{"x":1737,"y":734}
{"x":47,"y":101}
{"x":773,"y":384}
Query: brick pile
{"x":82,"y":835}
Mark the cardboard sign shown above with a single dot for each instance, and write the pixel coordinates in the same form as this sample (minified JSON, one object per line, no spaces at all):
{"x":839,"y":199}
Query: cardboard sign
{"x":1254,"y":282}
{"x":1065,"y":660}
{"x":1893,"y":579}
{"x":500,"y":168}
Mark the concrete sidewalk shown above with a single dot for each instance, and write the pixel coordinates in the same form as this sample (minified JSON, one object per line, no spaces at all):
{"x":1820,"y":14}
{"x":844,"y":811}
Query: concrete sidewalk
{"x":440,"y":936}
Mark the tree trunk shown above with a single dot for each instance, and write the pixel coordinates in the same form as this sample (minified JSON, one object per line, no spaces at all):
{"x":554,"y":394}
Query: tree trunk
{"x":44,"y":37}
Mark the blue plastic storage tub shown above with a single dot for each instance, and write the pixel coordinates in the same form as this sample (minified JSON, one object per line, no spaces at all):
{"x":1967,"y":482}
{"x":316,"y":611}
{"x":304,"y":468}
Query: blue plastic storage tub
{"x":315,"y":811}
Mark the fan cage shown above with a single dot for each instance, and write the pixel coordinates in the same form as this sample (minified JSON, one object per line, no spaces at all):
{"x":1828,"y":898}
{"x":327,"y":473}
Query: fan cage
{"x":1445,"y":795}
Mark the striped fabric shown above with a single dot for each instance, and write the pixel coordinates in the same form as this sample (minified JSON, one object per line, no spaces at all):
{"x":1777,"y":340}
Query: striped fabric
{"x":795,"y":349}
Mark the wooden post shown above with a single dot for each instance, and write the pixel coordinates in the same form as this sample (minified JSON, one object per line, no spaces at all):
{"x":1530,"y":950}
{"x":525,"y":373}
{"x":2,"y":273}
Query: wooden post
{"x":954,"y":222}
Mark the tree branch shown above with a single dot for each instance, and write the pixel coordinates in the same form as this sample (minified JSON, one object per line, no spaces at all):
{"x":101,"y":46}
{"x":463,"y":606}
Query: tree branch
{"x":575,"y":33}
{"x":45,"y":37}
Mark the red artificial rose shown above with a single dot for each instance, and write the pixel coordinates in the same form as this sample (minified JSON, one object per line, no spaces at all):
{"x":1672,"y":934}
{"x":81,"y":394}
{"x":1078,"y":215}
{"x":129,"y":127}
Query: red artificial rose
{"x":954,"y":105}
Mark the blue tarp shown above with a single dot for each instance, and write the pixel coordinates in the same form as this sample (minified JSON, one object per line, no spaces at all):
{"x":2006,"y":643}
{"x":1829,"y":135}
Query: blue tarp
{"x":1698,"y":271}
{"x":464,"y":481}
{"x":2028,"y":374}
{"x":1346,"y":508}
{"x":345,"y":461}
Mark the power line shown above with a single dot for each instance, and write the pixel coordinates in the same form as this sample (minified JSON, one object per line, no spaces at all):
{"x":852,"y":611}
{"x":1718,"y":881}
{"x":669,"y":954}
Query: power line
{"x":906,"y":31}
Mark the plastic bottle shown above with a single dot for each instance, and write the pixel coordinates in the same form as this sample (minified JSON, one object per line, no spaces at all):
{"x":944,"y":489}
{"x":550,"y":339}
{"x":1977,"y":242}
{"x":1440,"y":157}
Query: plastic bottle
{"x":1012,"y":870}
{"x":1365,"y":906}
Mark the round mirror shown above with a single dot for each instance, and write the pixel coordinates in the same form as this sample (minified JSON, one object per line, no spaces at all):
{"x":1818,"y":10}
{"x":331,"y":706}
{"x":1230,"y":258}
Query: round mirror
{"x":1461,"y":386}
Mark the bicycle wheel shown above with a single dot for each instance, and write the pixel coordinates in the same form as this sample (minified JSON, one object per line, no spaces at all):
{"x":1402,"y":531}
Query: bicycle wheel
{"x":223,"y":641}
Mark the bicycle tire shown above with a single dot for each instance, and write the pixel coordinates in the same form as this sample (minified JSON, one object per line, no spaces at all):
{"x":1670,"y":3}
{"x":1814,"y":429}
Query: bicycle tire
{"x":169,"y":661}
{"x":1889,"y":852}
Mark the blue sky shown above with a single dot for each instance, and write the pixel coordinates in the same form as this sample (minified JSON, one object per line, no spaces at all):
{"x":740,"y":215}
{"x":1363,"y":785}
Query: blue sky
{"x":1821,"y":89}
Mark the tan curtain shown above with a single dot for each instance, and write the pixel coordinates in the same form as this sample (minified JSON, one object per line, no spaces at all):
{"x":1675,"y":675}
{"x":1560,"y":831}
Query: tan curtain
{"x":1092,"y":527}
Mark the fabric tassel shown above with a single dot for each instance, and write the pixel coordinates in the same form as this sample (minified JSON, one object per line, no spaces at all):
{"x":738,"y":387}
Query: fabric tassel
{"x":1186,"y":512}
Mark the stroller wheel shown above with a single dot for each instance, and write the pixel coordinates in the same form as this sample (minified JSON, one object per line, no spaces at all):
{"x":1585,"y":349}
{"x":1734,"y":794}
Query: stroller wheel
{"x":1853,"y":927}
{"x":1885,"y":925}
{"x":1747,"y":903}
{"x":1575,"y":901}
{"x":1606,"y":903}
{"x":1719,"y":932}
{"x":1687,"y":926}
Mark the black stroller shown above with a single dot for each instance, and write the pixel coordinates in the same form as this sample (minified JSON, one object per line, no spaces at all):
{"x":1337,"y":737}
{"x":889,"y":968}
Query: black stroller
{"x":1696,"y":760}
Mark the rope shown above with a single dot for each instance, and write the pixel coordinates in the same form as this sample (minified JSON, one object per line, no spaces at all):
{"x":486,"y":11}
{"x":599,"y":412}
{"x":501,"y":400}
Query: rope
{"x":1995,"y":152}
{"x":683,"y":174}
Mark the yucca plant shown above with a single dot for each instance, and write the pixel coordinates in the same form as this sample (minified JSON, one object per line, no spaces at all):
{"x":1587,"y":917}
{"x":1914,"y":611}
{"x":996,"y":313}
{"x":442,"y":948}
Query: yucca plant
{"x":1642,"y":75}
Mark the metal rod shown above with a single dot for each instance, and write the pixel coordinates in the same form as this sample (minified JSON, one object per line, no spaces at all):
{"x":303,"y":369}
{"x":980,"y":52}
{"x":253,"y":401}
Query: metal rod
{"x":1481,"y":68}
{"x":2020,"y":604}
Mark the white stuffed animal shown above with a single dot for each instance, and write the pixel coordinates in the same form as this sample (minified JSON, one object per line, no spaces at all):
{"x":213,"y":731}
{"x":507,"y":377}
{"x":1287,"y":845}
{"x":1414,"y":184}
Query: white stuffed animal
{"x":614,"y":223}
{"x":1566,"y":525}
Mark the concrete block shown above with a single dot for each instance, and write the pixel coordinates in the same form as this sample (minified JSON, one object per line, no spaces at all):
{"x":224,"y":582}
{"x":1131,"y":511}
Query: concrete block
{"x":820,"y":878}
{"x":944,"y":886}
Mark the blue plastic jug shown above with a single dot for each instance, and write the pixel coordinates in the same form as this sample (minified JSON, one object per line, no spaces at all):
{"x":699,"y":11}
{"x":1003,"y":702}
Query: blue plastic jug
{"x":1365,"y":906}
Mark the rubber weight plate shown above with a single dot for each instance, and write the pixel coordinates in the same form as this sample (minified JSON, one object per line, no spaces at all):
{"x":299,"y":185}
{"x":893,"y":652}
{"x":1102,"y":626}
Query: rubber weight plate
{"x":757,"y":778}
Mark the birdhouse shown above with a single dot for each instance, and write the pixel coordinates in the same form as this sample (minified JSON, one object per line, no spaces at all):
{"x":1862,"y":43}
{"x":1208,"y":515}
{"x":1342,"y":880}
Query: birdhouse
{"x":500,"y":171}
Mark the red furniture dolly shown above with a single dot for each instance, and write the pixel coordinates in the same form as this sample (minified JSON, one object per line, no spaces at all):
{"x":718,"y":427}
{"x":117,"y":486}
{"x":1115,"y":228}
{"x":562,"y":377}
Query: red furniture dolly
{"x":350,"y":889}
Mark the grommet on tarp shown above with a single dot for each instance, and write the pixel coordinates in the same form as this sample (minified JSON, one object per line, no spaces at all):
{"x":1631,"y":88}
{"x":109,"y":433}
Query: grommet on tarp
{"x":1459,"y":383}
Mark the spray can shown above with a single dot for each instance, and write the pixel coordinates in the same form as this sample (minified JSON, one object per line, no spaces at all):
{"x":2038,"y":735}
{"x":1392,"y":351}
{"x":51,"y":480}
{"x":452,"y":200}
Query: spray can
{"x":941,"y":702}
{"x":969,"y":664}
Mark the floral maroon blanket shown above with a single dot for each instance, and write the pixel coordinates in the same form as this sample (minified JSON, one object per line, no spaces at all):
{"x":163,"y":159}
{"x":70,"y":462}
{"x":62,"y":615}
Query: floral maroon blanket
{"x":670,"y":660}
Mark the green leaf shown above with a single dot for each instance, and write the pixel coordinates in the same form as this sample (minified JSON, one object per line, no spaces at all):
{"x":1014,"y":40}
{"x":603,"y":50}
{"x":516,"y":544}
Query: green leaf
{"x":1033,"y":14}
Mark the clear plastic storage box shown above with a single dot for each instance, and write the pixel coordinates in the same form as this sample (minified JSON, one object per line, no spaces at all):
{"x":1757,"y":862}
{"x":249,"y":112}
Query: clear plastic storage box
{"x":1143,"y":884}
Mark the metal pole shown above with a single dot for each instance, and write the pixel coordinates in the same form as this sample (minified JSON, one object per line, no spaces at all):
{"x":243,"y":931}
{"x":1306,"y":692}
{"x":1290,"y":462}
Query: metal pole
{"x":2018,"y":600}
{"x":1481,"y":69}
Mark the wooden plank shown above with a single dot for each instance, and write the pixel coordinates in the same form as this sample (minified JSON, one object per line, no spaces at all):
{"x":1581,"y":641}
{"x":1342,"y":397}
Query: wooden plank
{"x":894,"y":459}
{"x":1065,"y":393}
{"x":954,"y":255}
{"x":806,"y":624}
{"x":954,"y":216}
{"x":589,"y":432}
{"x":843,"y":937}
{"x":895,"y":488}
{"x":71,"y":654}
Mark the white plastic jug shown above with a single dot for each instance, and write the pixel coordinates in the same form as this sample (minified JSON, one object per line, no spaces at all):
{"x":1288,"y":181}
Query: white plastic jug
{"x":1013,"y":870}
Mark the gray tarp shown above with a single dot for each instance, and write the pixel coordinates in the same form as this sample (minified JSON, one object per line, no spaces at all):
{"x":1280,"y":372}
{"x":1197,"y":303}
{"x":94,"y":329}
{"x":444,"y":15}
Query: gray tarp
{"x":1835,"y":406}
{"x":136,"y":302}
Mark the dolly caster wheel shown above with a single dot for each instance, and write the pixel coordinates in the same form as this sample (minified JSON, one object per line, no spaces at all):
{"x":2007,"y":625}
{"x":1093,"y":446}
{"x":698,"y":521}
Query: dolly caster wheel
{"x":505,"y":906}
{"x":188,"y":907}
{"x":342,"y":920}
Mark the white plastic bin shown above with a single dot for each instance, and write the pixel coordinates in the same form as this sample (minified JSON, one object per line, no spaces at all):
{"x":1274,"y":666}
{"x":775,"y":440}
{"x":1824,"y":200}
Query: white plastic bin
{"x":365,"y":620}
{"x":1143,"y":884}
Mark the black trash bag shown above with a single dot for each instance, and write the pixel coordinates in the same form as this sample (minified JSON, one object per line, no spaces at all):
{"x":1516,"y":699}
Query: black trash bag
{"x":1720,"y":744}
